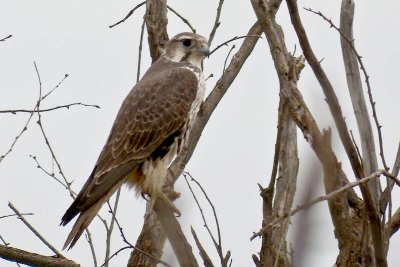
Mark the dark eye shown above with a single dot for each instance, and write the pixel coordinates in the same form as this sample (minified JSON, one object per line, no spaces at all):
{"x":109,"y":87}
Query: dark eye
{"x":187,"y":42}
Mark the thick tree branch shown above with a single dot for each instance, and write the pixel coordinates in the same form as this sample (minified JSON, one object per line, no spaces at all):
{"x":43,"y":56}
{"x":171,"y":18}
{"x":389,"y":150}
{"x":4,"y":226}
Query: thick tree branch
{"x":33,"y":259}
{"x":156,"y":24}
{"x":336,"y":111}
{"x":370,"y":162}
{"x":172,"y":229}
{"x":335,"y":178}
{"x":274,"y":249}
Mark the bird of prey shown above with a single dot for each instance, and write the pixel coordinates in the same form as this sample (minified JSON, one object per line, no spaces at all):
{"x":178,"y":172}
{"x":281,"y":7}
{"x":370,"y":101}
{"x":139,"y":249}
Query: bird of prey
{"x":151,"y":127}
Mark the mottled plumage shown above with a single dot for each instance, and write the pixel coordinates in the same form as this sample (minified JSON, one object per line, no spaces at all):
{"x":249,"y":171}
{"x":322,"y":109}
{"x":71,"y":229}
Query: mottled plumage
{"x":149,"y":130}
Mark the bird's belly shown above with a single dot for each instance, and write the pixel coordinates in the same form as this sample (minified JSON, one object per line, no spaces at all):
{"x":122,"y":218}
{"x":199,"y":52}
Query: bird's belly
{"x":155,"y":171}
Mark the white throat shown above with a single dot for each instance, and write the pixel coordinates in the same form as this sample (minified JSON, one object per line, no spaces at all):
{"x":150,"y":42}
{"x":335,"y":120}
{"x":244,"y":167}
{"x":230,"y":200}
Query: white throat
{"x":193,"y":59}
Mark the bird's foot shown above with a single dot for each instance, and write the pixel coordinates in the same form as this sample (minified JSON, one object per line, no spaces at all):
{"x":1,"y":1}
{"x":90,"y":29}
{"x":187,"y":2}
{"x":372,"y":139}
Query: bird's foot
{"x":170,"y":193}
{"x":170,"y":204}
{"x":166,"y":195}
{"x":144,"y":196}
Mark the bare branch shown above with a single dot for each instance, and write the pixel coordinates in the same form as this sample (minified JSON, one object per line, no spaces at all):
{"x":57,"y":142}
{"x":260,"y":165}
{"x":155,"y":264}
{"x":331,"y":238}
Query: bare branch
{"x":336,"y":111}
{"x":356,"y":146}
{"x":227,"y":56}
{"x":182,"y":18}
{"x":13,"y":215}
{"x":156,"y":24}
{"x":7,"y":245}
{"x":369,"y":162}
{"x":34,"y":231}
{"x":39,"y":122}
{"x":233,"y":39}
{"x":67,"y":106}
{"x":334,"y":177}
{"x":56,"y":87}
{"x":206,"y":259}
{"x":128,"y":15}
{"x":33,"y":259}
{"x":177,"y":239}
{"x":274,"y":249}
{"x":218,"y":245}
{"x":350,"y":42}
{"x":32,"y":112}
{"x":111,"y":228}
{"x":2,"y":157}
{"x":5,"y":38}
{"x":332,"y":194}
{"x":140,"y":52}
{"x":393,"y":225}
{"x":387,"y":192}
{"x":216,"y":23}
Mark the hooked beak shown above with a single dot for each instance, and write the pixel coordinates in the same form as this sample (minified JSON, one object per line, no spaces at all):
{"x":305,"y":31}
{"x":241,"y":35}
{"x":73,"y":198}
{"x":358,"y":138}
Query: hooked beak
{"x":205,"y":50}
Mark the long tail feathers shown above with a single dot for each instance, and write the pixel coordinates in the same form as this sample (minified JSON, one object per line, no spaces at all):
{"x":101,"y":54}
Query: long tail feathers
{"x":81,"y":223}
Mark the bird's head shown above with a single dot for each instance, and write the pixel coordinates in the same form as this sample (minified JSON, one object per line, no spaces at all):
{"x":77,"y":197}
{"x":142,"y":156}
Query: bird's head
{"x":187,"y":47}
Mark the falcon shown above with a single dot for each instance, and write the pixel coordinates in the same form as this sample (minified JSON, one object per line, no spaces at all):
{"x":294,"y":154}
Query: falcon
{"x":150,"y":129}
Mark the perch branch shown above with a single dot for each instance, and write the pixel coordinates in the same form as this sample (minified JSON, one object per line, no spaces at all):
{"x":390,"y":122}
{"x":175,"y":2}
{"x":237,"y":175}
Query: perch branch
{"x":35,"y":231}
{"x":33,"y":259}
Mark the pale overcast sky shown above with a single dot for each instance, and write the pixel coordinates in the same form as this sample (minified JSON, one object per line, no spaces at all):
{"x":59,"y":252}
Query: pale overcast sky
{"x":236,"y":148}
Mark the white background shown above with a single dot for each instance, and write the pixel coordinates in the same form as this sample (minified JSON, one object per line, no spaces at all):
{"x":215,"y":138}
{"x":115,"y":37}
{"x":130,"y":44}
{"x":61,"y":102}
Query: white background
{"x":236,"y":148}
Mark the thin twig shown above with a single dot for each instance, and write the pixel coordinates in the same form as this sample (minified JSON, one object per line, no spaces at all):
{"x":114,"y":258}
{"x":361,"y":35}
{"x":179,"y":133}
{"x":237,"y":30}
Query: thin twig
{"x":52,"y":175}
{"x":58,"y":85}
{"x":111,"y":228}
{"x":182,"y":18}
{"x":201,"y":211}
{"x":15,"y":111}
{"x":218,"y":246}
{"x":113,"y":255}
{"x":128,"y":15}
{"x":39,"y":122}
{"x":2,"y":157}
{"x":13,"y":215}
{"x":326,"y":197}
{"x":122,"y":232}
{"x":21,"y":217}
{"x":369,"y":90}
{"x":129,"y":245}
{"x":141,"y":251}
{"x":140,"y":51}
{"x":5,"y":38}
{"x":216,"y":22}
{"x":231,"y":40}
{"x":4,"y":242}
{"x":211,"y":204}
{"x":33,"y":111}
{"x":89,"y":239}
{"x":227,"y":56}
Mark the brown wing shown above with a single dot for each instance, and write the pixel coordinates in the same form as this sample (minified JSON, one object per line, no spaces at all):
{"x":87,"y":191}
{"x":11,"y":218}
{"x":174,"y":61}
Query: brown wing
{"x":155,"y":108}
